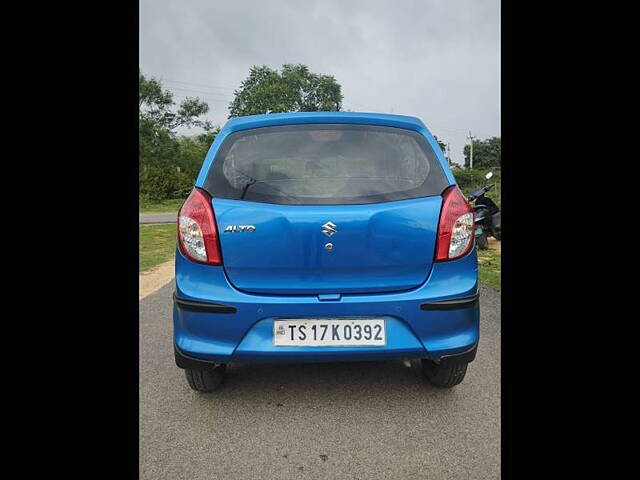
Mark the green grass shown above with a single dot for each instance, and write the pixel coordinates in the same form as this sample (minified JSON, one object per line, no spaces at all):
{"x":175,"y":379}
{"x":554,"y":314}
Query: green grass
{"x":489,"y":267}
{"x":157,"y":245}
{"x":162,"y":206}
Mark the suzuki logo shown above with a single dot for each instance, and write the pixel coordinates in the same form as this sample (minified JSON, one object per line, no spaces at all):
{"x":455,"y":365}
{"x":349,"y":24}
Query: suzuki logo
{"x":329,"y":229}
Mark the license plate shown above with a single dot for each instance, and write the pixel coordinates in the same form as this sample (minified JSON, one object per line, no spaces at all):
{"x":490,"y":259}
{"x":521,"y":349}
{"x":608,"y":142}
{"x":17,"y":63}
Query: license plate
{"x":329,"y":332}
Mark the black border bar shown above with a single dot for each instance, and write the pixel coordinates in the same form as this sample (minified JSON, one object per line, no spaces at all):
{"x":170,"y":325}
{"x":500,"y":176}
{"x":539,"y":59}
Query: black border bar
{"x":192,"y":306}
{"x":458,"y":303}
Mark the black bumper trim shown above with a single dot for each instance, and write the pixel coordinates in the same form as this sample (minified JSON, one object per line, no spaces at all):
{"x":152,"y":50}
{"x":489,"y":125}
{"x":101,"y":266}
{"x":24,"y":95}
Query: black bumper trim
{"x":455,"y":304}
{"x":192,"y":306}
{"x":464,"y":357}
{"x":191,"y":363}
{"x":187,"y":362}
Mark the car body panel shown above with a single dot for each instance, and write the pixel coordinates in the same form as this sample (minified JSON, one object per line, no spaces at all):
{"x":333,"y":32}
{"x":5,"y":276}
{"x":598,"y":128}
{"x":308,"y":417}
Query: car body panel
{"x":283,"y":289}
{"x":376,"y":248}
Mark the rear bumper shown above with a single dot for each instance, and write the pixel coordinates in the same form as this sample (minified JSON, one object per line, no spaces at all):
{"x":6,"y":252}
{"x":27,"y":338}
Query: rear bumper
{"x":215,"y":323}
{"x":185,"y":361}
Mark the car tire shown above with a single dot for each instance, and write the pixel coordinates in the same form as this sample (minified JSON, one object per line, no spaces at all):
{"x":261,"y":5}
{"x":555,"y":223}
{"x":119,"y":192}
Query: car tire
{"x":205,"y":380}
{"x":482,"y":241}
{"x":444,"y":374}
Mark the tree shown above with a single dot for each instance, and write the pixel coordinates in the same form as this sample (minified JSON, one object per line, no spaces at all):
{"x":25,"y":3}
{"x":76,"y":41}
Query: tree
{"x":295,"y":89}
{"x":192,"y":150}
{"x":156,"y":106}
{"x":168,"y":164}
{"x":443,"y":146}
{"x":486,"y":153}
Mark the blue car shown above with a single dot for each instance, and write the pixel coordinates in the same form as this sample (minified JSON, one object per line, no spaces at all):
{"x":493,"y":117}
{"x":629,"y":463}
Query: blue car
{"x":325,"y":237}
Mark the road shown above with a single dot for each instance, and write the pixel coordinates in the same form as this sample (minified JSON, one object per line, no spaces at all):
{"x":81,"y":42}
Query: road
{"x":154,"y":218}
{"x":317,"y":421}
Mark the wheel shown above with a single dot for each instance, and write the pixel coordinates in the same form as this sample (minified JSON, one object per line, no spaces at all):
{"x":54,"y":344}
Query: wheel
{"x":482,"y":241}
{"x":445,"y":374}
{"x":497,"y":235}
{"x":205,"y":380}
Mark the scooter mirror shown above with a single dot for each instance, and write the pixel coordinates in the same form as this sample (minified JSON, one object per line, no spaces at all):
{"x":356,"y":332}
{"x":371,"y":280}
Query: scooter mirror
{"x":488,"y":175}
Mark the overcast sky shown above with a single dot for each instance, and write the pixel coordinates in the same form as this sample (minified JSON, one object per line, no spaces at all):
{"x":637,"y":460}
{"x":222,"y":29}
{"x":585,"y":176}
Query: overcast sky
{"x":438,"y":60}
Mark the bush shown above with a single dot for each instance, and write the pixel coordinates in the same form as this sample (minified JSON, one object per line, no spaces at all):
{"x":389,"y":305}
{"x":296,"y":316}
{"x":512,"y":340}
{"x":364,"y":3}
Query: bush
{"x":157,"y":183}
{"x":169,"y":165}
{"x":144,"y":201}
{"x":469,"y":180}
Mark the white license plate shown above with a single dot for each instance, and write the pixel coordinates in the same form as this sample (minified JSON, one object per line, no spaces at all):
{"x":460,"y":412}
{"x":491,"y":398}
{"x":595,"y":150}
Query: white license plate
{"x":329,"y":332}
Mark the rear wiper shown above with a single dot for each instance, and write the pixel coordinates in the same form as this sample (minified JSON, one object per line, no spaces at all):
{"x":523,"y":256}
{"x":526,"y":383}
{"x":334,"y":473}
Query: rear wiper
{"x":246,"y":187}
{"x":253,"y":181}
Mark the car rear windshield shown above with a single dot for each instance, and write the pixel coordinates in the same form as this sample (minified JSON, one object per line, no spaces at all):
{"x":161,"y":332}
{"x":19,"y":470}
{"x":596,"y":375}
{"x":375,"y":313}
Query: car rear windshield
{"x":325,"y":165}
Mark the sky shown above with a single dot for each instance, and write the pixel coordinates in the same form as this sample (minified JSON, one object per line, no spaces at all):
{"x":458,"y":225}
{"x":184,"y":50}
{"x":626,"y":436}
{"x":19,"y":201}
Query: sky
{"x":438,"y":60}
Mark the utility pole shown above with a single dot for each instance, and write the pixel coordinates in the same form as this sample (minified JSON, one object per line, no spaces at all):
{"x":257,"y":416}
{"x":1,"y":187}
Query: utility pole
{"x":471,"y":138}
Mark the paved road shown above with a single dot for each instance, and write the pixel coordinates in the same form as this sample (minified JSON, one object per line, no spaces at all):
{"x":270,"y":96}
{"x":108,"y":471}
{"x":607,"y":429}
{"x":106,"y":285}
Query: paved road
{"x":153,"y":218}
{"x":339,"y":421}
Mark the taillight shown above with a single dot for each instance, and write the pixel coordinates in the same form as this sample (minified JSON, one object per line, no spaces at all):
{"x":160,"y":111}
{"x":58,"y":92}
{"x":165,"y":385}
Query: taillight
{"x":197,"y":230}
{"x":456,"y":226}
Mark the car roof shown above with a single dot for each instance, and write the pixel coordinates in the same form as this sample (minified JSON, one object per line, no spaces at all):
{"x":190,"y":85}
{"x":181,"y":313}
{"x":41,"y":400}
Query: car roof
{"x":272,"y":119}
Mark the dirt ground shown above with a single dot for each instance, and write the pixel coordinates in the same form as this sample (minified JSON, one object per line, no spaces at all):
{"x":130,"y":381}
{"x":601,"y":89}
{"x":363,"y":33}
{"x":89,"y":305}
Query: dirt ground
{"x":154,"y":279}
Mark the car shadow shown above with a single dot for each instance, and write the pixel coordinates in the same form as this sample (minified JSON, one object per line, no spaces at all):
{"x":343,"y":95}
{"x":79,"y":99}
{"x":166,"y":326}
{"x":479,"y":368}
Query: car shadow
{"x":278,"y":384}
